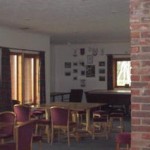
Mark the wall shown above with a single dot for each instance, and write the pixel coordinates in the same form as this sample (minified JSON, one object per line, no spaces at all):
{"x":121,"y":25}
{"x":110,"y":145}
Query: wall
{"x":140,"y":86}
{"x":64,"y":53}
{"x":24,"y":40}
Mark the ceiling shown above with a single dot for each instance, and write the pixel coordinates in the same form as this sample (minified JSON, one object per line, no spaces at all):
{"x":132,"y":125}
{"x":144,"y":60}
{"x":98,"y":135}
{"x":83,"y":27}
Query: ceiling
{"x":69,"y":21}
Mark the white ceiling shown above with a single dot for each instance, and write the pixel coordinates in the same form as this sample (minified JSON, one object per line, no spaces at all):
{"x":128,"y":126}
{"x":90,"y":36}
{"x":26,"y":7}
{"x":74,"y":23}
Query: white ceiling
{"x":69,"y":21}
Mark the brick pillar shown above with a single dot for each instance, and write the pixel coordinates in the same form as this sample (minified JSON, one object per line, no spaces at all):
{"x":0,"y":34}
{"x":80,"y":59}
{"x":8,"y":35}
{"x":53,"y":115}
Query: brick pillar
{"x":140,"y":73}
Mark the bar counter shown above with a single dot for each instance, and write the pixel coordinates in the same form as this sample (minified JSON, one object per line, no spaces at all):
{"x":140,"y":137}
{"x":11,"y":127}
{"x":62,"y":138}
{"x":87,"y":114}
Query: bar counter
{"x":111,"y":97}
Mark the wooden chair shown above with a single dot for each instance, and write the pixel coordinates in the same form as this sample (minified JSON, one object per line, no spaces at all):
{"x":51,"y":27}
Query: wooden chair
{"x":123,"y":138}
{"x":100,"y":123}
{"x":23,"y":137}
{"x":76,"y":96}
{"x":7,"y":131}
{"x":23,"y":113}
{"x":117,"y":114}
{"x":60,"y":120}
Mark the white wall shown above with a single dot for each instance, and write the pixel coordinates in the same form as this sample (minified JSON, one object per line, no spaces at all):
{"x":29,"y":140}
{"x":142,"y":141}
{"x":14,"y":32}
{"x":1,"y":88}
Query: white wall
{"x":30,"y":41}
{"x":64,"y":53}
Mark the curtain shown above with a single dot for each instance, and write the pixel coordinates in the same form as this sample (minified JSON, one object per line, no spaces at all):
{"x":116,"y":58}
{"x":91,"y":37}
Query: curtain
{"x":5,"y":94}
{"x":109,"y":72}
{"x":42,"y":78}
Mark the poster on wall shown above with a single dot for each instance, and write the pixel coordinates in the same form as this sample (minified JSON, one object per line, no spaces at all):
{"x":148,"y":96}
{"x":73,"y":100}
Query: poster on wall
{"x":89,"y":59}
{"x":67,"y":73}
{"x":90,"y":71}
{"x":101,"y":78}
{"x":101,"y":63}
{"x":67,"y":64}
{"x":102,"y":70}
{"x":83,"y":82}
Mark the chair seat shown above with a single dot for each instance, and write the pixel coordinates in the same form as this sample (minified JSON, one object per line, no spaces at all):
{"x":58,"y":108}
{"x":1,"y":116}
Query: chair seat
{"x":38,"y":112}
{"x":72,"y":124}
{"x":37,"y":138}
{"x":116,"y":115}
{"x":101,"y":119}
{"x":3,"y":135}
{"x":123,"y":138}
{"x":43,"y":121}
{"x":8,"y":146}
{"x":100,"y":113}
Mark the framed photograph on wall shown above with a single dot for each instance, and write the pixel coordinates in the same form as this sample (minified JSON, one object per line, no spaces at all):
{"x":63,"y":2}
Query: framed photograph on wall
{"x":83,"y":82}
{"x":90,"y":71}
{"x":102,"y":70}
{"x":74,"y":78}
{"x":67,"y":64}
{"x":75,"y":71}
{"x":75,"y":64}
{"x":89,"y":59}
{"x":67,"y":73}
{"x":101,"y":78}
{"x":102,"y":63}
{"x":82,"y":63}
{"x":82,"y":72}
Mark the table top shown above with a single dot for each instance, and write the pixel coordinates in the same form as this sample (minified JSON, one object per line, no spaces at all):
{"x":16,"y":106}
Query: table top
{"x":71,"y":105}
{"x":110,"y":91}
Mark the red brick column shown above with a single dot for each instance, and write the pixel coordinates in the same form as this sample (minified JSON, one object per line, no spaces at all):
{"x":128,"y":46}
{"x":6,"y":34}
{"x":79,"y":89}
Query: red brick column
{"x":140,"y":73}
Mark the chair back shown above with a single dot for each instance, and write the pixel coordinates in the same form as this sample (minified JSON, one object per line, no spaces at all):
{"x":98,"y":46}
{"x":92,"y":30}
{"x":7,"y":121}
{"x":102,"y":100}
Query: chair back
{"x":24,"y":133}
{"x":7,"y":117}
{"x":22,"y":113}
{"x":76,"y":95}
{"x":59,"y":116}
{"x":14,"y":102}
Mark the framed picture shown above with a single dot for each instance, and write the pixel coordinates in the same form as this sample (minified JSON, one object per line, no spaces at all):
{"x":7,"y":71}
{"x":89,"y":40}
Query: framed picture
{"x":75,"y":64}
{"x":82,"y":63}
{"x":74,"y":78}
{"x":75,"y":71}
{"x":89,"y":59}
{"x":82,"y":51}
{"x":90,"y":71}
{"x":101,"y":63}
{"x":82,"y":73}
{"x":67,"y":64}
{"x":83,"y":82}
{"x":102,"y":70}
{"x":67,"y":73}
{"x":101,"y":78}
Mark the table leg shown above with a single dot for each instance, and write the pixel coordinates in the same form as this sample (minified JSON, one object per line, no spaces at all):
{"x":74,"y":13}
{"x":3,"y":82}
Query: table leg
{"x":87,"y":119}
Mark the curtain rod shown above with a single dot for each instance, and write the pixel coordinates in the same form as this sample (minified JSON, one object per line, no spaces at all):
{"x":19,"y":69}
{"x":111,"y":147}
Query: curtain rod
{"x":21,"y":49}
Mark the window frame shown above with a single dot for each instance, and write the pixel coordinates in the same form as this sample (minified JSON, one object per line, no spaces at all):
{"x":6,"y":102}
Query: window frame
{"x":20,"y":95}
{"x":115,"y":71}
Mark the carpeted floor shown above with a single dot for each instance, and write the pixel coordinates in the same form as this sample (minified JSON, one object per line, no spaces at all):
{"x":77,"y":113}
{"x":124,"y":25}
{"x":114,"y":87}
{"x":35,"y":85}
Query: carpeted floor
{"x":86,"y":143}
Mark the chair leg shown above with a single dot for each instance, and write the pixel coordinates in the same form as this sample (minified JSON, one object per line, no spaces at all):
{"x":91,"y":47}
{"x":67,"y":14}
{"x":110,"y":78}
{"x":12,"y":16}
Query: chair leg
{"x":128,"y":147}
{"x":117,"y":146}
{"x":40,"y":145}
{"x":93,"y":132}
{"x":68,"y":135}
{"x":1,"y":141}
{"x":48,"y":135}
{"x":52,"y":136}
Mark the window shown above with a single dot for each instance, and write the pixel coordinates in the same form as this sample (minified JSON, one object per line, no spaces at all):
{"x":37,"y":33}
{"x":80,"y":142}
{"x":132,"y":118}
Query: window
{"x":25,"y":77}
{"x":122,"y":75}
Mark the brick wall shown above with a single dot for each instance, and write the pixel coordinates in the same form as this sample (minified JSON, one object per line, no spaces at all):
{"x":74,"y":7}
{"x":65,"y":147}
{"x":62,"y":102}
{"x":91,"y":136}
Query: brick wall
{"x":140,"y":73}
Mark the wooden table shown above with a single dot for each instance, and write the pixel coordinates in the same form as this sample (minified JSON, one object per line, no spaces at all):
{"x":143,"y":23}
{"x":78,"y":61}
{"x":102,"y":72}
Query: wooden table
{"x":72,"y":106}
